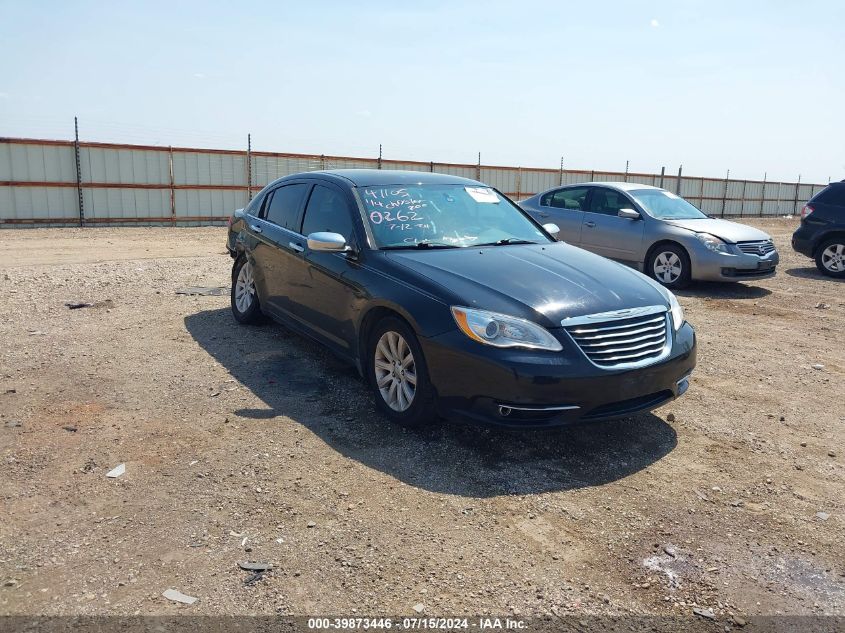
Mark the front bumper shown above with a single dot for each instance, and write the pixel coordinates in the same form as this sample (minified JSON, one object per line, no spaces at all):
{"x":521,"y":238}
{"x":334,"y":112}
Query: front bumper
{"x":524,"y":388}
{"x":709,"y":265}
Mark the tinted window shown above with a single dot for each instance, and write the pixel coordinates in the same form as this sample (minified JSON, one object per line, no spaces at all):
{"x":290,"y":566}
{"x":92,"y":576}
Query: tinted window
{"x":327,"y":211}
{"x":608,"y":201}
{"x":834,"y":194}
{"x":574,"y":198}
{"x":255,"y":204}
{"x":284,"y":206}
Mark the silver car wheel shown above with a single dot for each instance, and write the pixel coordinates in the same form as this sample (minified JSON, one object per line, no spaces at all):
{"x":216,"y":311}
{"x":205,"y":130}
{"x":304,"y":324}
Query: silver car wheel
{"x":244,"y":288}
{"x":667,"y":267}
{"x":833,"y":258}
{"x":396,"y":371}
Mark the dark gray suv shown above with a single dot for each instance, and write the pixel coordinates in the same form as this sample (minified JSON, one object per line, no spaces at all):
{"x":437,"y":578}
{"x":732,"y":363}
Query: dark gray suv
{"x":822,"y":231}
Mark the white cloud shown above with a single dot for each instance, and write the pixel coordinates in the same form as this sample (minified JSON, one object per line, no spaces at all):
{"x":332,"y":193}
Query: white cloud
{"x":654,"y":23}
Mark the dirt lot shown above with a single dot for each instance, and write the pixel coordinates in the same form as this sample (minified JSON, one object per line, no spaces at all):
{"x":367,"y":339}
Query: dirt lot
{"x":245,"y":443}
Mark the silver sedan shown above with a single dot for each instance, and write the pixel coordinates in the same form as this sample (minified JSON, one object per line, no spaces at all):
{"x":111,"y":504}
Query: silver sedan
{"x":655,"y":231}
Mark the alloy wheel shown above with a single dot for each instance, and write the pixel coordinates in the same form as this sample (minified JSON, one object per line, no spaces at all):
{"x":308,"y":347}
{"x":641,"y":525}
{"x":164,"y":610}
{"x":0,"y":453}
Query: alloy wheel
{"x":396,"y":375}
{"x":244,"y":288}
{"x":833,"y":258}
{"x":667,"y":267}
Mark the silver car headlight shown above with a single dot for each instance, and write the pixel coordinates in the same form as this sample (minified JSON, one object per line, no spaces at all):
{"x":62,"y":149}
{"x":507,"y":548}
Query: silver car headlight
{"x":501,"y":330}
{"x":676,"y":311}
{"x":712,"y":242}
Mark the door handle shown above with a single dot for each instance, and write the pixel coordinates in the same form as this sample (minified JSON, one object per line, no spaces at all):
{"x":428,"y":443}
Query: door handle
{"x":255,"y":228}
{"x":589,"y":224}
{"x":297,"y":247}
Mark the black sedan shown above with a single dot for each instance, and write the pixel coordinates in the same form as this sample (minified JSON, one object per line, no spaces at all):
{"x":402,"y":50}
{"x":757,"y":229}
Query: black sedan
{"x":452,"y":301}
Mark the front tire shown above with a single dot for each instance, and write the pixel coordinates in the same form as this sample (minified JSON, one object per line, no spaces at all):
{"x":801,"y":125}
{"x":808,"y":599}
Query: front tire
{"x":244,"y":298}
{"x":669,"y":265}
{"x":830,"y":257}
{"x":398,"y":375}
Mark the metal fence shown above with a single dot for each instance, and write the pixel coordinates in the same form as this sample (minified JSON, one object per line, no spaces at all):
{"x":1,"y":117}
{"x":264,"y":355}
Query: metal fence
{"x":68,"y":183}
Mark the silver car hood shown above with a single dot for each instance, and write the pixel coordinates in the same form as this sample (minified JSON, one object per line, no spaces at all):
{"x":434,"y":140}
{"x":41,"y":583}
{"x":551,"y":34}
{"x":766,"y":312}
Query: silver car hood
{"x":723,"y":229}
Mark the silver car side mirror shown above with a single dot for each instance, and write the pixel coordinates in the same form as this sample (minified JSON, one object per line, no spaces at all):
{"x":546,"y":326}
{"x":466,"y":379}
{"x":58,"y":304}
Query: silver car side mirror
{"x":629,"y":213}
{"x":325,"y":241}
{"x":551,"y":228}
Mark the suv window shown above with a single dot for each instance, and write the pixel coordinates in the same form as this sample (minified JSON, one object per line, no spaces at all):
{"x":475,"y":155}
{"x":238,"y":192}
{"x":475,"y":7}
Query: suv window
{"x":327,"y":210}
{"x":284,"y":205}
{"x":832,"y":194}
{"x":608,"y":201}
{"x":574,"y":198}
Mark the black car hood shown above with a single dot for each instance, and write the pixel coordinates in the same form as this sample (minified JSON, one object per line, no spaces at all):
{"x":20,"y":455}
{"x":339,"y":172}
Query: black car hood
{"x":544,"y":283}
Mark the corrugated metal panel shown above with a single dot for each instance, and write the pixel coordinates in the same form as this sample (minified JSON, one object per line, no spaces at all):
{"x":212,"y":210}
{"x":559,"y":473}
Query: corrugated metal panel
{"x":38,"y":202}
{"x":37,"y":163}
{"x":711,"y":207}
{"x":713,"y":188}
{"x":644,"y":180}
{"x":733,"y":207}
{"x":123,"y":166}
{"x":114,"y":202}
{"x":753,"y":190}
{"x":735,"y":188}
{"x":205,"y":202}
{"x":193,"y":168}
{"x":690,"y":187}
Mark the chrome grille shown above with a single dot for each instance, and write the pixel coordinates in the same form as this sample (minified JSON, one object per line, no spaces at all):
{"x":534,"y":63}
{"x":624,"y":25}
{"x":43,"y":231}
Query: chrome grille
{"x":761,"y":247}
{"x":617,"y":342}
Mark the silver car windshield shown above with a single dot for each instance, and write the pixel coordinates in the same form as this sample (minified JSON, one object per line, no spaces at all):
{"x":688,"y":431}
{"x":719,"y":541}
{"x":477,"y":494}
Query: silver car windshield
{"x":665,"y":205}
{"x":445,"y":216}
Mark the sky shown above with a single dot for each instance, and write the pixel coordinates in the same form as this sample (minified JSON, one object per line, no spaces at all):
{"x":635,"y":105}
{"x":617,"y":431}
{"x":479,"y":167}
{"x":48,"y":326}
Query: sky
{"x":753,"y":87}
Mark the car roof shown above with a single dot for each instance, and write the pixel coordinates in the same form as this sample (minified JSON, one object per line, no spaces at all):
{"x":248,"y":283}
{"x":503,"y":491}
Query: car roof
{"x":622,"y":186}
{"x":375,"y":177}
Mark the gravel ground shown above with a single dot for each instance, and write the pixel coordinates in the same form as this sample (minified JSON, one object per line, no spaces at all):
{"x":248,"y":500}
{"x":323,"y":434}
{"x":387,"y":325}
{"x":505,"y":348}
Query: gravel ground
{"x":252,"y":444}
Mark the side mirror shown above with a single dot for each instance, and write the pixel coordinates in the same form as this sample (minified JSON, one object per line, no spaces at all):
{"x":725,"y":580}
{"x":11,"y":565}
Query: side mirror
{"x":551,"y":228}
{"x":629,"y":214}
{"x":238,"y":214}
{"x":325,"y":241}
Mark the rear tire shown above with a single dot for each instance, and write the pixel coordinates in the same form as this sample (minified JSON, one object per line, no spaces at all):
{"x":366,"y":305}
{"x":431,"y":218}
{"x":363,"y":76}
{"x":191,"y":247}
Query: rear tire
{"x":830,"y":257}
{"x":398,"y":375}
{"x":244,"y":298}
{"x":670,"y":266}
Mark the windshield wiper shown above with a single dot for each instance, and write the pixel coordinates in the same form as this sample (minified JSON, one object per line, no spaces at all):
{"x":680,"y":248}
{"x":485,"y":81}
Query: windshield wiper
{"x":507,"y":240}
{"x":418,"y":245}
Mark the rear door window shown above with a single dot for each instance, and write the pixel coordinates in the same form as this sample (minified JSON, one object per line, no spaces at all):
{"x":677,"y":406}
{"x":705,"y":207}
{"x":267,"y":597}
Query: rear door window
{"x":834,"y":194}
{"x":283,"y":207}
{"x":574,"y":198}
{"x":329,"y":211}
{"x":608,"y":201}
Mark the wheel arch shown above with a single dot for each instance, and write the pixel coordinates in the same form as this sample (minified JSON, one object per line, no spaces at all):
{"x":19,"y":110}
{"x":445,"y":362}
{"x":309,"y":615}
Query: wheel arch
{"x":664,"y":242}
{"x":835,"y":233}
{"x":369,"y":319}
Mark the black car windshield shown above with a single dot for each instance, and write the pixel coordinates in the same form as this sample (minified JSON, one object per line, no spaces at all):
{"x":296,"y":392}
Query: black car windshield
{"x":444,"y":216}
{"x":665,"y":205}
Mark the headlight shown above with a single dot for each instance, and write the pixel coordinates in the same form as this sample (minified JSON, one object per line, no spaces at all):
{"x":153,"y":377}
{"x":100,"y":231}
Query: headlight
{"x":501,"y":330}
{"x":676,"y":310}
{"x":712,"y":242}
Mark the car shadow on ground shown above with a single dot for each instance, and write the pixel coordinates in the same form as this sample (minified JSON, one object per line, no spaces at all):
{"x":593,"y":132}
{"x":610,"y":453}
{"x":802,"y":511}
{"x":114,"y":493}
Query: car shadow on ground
{"x":723,"y":290}
{"x":811,"y":273}
{"x":299,"y":379}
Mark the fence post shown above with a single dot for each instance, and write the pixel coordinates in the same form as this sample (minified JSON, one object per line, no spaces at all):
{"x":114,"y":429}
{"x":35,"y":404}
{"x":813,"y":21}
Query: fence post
{"x":626,"y":170}
{"x":725,"y":194}
{"x":172,"y":185}
{"x":763,"y":194}
{"x":795,"y":202}
{"x":518,"y":182}
{"x":78,"y":171}
{"x":561,"y":171}
{"x":478,"y":168}
{"x":678,"y":184}
{"x":592,"y":175}
{"x":431,"y":166}
{"x":379,"y":155}
{"x":742,"y":199}
{"x":662,"y":175}
{"x":249,"y":167}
